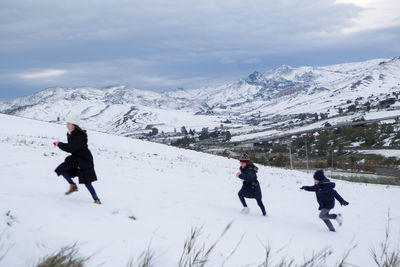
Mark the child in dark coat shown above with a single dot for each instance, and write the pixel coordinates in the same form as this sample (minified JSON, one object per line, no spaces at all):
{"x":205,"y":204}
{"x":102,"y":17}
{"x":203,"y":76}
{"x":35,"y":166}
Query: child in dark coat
{"x":326,"y":195}
{"x":251,"y":187}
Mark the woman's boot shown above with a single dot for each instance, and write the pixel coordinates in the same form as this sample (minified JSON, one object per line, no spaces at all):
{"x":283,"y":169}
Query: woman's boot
{"x":72,"y":188}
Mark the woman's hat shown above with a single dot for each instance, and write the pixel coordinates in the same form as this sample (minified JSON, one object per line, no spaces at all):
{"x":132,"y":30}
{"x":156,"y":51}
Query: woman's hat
{"x":74,"y":119}
{"x":244,"y":157}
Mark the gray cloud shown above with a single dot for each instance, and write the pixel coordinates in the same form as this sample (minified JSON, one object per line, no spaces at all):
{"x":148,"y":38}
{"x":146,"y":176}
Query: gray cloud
{"x":157,"y":44}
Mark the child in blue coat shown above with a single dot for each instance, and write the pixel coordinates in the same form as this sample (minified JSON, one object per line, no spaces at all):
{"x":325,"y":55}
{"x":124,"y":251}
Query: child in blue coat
{"x":251,"y":187}
{"x":326,"y":195}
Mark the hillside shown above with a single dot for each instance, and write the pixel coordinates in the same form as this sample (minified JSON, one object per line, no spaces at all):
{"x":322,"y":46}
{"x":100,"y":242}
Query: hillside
{"x":169,"y":190}
{"x":282,"y":98}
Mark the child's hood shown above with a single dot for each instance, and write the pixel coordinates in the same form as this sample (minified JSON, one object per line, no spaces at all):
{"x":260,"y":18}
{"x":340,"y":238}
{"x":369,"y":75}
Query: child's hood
{"x":328,"y":184}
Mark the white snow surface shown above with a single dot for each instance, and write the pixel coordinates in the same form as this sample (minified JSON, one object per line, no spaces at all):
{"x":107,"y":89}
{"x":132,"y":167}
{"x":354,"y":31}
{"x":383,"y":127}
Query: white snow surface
{"x":382,"y":152}
{"x":169,"y":190}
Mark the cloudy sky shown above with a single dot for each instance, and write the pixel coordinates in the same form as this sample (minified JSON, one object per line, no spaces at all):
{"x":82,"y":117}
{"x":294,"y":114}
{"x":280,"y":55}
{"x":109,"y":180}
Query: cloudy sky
{"x":162,"y":45}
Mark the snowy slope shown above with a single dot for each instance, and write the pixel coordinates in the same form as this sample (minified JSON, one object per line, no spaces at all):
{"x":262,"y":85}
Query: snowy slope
{"x":117,"y":109}
{"x":169,"y":190}
{"x":288,"y":90}
{"x":282,"y":92}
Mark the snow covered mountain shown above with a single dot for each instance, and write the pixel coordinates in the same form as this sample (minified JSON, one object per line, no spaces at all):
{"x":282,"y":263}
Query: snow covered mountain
{"x":275,"y":95}
{"x":169,"y":191}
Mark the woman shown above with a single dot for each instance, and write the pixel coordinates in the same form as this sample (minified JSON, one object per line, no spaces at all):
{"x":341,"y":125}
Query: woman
{"x":80,"y":162}
{"x":251,"y":187}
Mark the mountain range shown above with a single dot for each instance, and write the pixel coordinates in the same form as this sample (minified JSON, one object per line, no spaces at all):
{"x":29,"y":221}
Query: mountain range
{"x":253,"y":103}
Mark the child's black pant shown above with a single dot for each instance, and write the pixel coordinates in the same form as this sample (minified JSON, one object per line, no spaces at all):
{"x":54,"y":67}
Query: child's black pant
{"x":326,"y":217}
{"x":259,"y":202}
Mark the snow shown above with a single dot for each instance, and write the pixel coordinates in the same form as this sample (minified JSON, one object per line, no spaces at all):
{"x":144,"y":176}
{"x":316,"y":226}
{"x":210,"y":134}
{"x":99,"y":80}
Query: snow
{"x":282,"y":92}
{"x":382,"y":152}
{"x":254,"y":135}
{"x":169,"y":190}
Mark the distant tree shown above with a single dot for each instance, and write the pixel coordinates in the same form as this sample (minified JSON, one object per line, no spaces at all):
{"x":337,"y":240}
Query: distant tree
{"x":367,"y":106}
{"x":280,"y":161}
{"x":370,"y":138}
{"x":315,"y":116}
{"x":322,"y":142}
{"x":185,"y":141}
{"x":303,"y":116}
{"x":183,"y":130}
{"x":352,"y":108}
{"x":191,"y":132}
{"x":214,"y":134}
{"x":228,"y":136}
{"x":154,"y":131}
{"x":340,"y":148}
{"x":387,"y":102}
{"x":340,"y":110}
{"x":204,"y":134}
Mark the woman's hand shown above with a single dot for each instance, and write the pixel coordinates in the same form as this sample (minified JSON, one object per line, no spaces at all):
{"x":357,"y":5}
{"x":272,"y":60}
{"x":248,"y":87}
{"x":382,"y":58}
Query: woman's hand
{"x":56,"y":143}
{"x":237,"y":174}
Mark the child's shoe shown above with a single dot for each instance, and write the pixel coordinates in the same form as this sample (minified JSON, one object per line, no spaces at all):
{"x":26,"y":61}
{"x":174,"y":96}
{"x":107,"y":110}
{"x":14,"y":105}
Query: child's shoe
{"x":339,"y":219}
{"x":245,"y":210}
{"x":97,"y":201}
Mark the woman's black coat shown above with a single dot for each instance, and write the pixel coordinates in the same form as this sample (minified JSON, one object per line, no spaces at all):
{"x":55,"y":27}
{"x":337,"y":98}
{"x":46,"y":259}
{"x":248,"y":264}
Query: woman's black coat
{"x":251,"y":187}
{"x":80,"y":162}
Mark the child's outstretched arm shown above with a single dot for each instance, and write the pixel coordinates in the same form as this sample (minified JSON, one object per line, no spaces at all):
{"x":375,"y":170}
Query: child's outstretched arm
{"x":340,"y":199}
{"x":312,"y":188}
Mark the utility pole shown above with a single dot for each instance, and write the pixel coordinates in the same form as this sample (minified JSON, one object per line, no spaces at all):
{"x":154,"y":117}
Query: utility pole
{"x":307,"y":154}
{"x":290,"y":156}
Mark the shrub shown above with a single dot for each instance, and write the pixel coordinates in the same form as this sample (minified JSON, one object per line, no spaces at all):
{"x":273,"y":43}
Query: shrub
{"x":197,"y":255}
{"x":66,"y":257}
{"x":386,"y":256}
{"x":145,"y":259}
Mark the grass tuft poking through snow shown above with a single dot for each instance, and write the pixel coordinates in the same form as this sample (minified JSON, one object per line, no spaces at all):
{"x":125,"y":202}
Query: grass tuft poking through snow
{"x":195,"y":254}
{"x":145,"y":259}
{"x":386,"y":256}
{"x":66,"y":257}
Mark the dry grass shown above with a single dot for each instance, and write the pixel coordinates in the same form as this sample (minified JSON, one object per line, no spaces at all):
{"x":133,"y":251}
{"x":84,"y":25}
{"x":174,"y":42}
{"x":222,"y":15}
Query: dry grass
{"x":195,"y":253}
{"x":66,"y":257}
{"x":386,"y":256}
{"x":145,"y":259}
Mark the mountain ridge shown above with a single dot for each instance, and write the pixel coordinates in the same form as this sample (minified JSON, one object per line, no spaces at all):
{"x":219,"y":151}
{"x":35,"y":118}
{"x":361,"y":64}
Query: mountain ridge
{"x":284,"y":91}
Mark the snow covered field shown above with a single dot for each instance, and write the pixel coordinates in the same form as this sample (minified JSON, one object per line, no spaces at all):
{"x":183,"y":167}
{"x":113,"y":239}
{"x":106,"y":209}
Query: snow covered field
{"x":382,"y":152}
{"x":169,"y":190}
